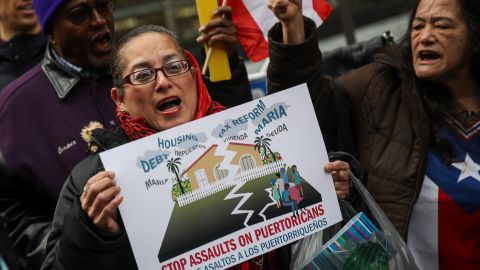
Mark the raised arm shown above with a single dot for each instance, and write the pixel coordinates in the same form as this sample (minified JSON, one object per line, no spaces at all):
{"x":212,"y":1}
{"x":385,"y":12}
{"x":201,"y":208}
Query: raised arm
{"x":295,"y":59}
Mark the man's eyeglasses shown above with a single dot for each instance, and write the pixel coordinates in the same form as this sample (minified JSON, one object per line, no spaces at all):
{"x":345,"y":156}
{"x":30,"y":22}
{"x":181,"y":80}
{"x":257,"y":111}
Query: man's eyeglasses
{"x":147,"y":75}
{"x":83,"y":13}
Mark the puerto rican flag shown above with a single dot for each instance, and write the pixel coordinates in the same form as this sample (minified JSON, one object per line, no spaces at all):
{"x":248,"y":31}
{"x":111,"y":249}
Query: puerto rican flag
{"x":444,"y":231}
{"x":253,"y":19}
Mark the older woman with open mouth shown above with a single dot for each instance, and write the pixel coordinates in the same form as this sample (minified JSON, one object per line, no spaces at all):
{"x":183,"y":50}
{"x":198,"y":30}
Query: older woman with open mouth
{"x":413,"y":116}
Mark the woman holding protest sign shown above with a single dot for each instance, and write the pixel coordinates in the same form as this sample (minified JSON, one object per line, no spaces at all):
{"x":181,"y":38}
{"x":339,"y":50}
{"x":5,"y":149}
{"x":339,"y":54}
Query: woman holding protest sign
{"x":157,"y":86}
{"x":416,"y":111}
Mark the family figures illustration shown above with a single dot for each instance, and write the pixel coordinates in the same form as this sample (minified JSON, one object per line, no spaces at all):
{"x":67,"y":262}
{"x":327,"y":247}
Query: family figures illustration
{"x":287,"y":193}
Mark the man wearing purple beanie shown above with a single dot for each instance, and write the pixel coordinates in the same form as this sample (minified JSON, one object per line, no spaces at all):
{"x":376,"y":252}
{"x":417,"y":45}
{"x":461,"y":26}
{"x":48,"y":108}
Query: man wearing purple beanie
{"x":43,"y":112}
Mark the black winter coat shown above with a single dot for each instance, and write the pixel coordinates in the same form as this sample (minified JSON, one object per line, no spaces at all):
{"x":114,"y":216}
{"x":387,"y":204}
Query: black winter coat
{"x":20,"y":54}
{"x":75,"y":242}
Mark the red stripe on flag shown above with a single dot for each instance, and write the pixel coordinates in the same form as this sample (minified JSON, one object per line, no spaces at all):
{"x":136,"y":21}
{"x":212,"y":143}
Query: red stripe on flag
{"x":458,"y":236}
{"x":248,"y":32}
{"x":323,"y":8}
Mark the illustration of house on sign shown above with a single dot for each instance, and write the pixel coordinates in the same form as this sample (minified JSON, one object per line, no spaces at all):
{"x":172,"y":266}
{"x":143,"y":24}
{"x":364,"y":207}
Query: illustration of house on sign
{"x":206,"y":169}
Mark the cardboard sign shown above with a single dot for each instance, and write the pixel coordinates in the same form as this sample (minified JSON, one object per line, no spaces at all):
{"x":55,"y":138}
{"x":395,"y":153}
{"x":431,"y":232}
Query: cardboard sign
{"x":220,"y":190}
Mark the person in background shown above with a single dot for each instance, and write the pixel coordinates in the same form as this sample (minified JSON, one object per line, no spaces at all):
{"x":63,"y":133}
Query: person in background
{"x":149,"y":67}
{"x":22,"y":45}
{"x":342,"y":59}
{"x":416,"y":111}
{"x":43,"y":112}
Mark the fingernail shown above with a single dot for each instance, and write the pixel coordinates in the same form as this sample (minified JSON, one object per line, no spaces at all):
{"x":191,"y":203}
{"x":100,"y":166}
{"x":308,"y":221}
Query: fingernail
{"x":201,"y":29}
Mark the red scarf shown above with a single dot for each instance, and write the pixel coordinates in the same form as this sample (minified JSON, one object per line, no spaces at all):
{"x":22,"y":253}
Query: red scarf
{"x":137,"y":128}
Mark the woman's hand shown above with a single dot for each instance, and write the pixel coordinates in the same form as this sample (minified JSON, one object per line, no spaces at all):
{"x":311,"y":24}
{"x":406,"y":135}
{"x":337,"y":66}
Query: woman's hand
{"x":100,"y":200}
{"x":289,"y":12}
{"x":220,"y":29}
{"x":340,"y":171}
{"x":285,"y":10}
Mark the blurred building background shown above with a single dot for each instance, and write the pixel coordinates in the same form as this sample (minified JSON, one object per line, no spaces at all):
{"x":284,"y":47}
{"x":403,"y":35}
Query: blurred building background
{"x":181,"y":16}
{"x":351,"y":21}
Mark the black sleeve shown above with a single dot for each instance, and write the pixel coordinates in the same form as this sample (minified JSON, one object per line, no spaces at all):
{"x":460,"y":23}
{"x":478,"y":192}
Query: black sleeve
{"x":27,"y":213}
{"x":235,"y":91}
{"x":7,"y":254}
{"x":291,"y":65}
{"x":75,"y":242}
{"x":5,"y":79}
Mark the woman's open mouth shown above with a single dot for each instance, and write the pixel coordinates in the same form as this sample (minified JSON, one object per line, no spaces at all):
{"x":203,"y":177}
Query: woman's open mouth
{"x":428,"y":56}
{"x":169,"y":105}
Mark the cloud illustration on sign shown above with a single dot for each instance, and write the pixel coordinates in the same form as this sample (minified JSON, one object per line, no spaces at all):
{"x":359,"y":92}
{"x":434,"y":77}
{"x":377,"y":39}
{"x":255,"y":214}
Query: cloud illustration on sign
{"x":152,"y":159}
{"x":229,"y":129}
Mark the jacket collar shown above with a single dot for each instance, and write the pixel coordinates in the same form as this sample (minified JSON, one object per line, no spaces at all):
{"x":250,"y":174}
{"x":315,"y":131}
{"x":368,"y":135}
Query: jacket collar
{"x":63,"y":76}
{"x":59,"y":76}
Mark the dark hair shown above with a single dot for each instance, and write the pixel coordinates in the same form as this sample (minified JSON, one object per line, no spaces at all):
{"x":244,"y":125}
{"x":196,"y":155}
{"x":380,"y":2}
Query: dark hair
{"x":118,"y":65}
{"x":277,"y":174}
{"x":437,"y":97}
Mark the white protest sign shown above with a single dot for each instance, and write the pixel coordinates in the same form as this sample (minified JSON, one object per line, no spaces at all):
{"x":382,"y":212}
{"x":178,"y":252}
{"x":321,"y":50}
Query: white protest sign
{"x":232,"y":168}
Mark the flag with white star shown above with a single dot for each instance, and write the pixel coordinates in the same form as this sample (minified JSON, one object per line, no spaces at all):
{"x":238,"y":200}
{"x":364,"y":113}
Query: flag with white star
{"x":444,"y":231}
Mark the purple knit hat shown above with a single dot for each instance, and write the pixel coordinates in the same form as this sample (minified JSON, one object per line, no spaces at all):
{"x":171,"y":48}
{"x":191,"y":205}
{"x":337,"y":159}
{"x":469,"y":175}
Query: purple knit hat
{"x":44,"y":9}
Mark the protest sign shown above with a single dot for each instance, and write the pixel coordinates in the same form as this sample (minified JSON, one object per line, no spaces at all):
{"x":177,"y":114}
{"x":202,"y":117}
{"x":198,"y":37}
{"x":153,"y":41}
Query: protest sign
{"x":223,"y":189}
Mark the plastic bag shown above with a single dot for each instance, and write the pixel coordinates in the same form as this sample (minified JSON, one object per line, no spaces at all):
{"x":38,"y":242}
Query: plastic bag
{"x":382,"y":249}
{"x":358,"y":245}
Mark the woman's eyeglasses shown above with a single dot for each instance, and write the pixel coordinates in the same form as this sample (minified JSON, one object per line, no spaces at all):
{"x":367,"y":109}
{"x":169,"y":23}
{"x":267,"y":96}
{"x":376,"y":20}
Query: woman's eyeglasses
{"x":147,"y":75}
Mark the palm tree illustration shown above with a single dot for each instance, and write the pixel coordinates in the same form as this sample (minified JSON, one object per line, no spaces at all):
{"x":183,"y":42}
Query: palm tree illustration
{"x":264,"y":144}
{"x":172,"y":167}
